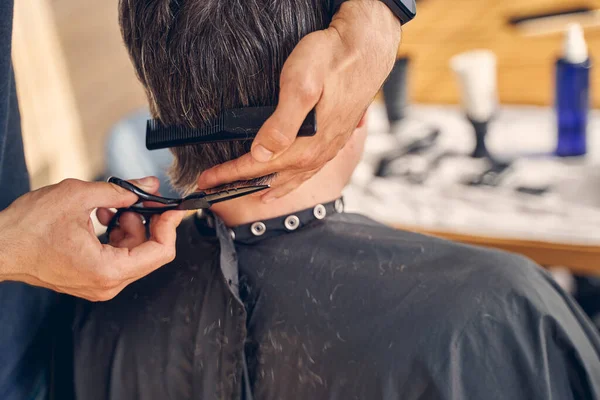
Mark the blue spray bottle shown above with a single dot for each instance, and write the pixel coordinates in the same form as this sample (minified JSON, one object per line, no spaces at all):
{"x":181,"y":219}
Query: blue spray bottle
{"x":573,"y":94}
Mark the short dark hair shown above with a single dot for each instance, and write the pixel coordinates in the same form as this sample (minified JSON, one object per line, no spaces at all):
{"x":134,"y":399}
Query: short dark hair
{"x":196,"y":58}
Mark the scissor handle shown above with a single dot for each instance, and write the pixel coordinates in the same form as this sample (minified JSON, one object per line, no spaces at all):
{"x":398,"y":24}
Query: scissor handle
{"x":170,"y":204}
{"x":149,"y":211}
{"x":143,"y":196}
{"x":145,"y":212}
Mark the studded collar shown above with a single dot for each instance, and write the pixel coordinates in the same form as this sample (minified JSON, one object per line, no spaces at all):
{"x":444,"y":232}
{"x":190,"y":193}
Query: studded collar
{"x":260,"y":230}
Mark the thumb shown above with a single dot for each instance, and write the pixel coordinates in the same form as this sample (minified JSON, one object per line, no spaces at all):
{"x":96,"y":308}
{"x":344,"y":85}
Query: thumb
{"x":149,"y":184}
{"x":108,"y":195}
{"x":160,"y":249}
{"x":299,"y":94}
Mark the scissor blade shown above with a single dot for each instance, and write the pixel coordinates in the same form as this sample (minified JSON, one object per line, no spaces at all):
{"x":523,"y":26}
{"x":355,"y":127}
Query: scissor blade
{"x":234,"y":194}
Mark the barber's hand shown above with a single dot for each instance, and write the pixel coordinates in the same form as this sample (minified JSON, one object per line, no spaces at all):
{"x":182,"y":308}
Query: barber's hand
{"x":47,"y":239}
{"x":130,"y":232}
{"x":340,"y":70}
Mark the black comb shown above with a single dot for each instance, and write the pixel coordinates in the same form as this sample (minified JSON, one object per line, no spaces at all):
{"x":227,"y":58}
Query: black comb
{"x":231,"y":125}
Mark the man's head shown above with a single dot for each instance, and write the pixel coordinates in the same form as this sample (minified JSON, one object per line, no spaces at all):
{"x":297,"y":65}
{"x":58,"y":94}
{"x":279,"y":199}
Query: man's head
{"x":196,"y":58}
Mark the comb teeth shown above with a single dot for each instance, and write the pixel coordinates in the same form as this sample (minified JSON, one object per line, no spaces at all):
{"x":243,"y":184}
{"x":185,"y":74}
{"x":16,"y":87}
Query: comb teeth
{"x":159,"y":136}
{"x":232,"y":125}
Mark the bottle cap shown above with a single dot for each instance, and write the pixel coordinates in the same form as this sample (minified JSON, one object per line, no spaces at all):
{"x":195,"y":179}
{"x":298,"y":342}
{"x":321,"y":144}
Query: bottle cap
{"x":575,"y":47}
{"x":476,"y":72}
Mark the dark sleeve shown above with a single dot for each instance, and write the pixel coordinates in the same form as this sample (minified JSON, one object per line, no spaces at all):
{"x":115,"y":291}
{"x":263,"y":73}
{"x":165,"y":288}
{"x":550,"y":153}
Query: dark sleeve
{"x":530,"y":342}
{"x":24,"y":335}
{"x":405,"y":10}
{"x":14,"y":180}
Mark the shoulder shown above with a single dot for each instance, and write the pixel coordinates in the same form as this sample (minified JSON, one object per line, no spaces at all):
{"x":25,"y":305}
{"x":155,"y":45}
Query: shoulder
{"x":456,"y":281}
{"x":465,"y":262}
{"x":472,"y":260}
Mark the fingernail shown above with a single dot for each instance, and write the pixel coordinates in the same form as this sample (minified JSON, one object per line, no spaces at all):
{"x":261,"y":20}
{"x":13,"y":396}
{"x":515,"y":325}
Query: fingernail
{"x":261,"y":154}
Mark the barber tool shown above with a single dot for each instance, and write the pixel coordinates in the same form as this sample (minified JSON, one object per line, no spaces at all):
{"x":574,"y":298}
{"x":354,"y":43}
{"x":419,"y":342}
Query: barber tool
{"x":533,"y":191}
{"x":195,"y":201}
{"x":395,"y":91}
{"x":232,"y":125}
{"x":405,"y":10}
{"x":418,"y":146}
{"x":491,"y":177}
{"x":573,"y":94}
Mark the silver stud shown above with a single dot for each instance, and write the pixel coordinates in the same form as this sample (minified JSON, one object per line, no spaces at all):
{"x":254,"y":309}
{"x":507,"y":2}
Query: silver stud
{"x":292,"y":223}
{"x":258,"y":228}
{"x":339,"y":206}
{"x":232,"y":234}
{"x":320,"y":212}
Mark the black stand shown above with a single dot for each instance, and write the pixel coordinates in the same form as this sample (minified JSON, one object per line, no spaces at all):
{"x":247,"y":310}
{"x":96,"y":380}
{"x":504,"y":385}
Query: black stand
{"x":494,"y":175}
{"x":481,"y":129}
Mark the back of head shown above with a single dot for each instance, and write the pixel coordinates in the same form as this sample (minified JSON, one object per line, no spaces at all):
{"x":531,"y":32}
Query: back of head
{"x":196,"y":58}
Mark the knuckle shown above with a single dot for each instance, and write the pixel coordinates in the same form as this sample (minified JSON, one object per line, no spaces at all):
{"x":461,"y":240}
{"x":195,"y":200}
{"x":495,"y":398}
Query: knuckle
{"x":170,"y":258}
{"x":105,"y":295}
{"x":308,"y":160}
{"x":93,"y":297}
{"x":75,"y":190}
{"x":111,"y":294}
{"x":105,"y":280}
{"x":279,"y":139}
{"x":118,"y":191}
{"x":305,"y":161}
{"x":329,"y":156}
{"x":167,"y":256}
{"x":170,"y":254}
{"x":339,"y":142}
{"x":70,"y":184}
{"x":288,"y":77}
{"x":307,"y":175}
{"x":305,"y":88}
{"x":308,"y":91}
{"x":239,"y":170}
{"x":105,"y":284}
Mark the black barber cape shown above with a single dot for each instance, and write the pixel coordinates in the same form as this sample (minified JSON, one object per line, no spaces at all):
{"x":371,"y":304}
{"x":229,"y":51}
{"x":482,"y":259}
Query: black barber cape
{"x":343,"y":308}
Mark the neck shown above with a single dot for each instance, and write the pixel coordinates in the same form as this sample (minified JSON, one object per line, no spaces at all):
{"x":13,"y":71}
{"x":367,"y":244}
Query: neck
{"x":323,"y":187}
{"x":251,"y":208}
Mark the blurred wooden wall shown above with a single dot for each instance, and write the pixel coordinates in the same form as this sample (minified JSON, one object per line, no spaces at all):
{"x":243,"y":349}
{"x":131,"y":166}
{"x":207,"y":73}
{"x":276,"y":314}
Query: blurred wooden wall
{"x":104,"y":83}
{"x":75,"y":81}
{"x":444,"y":28}
{"x":52,"y":130}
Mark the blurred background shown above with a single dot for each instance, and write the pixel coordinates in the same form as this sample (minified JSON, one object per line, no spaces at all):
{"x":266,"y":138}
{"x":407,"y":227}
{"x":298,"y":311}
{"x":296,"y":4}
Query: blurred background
{"x":76,"y":81}
{"x":466,"y":140}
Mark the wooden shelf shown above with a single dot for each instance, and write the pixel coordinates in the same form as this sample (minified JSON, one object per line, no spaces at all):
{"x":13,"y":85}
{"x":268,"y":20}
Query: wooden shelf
{"x":580,"y":259}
